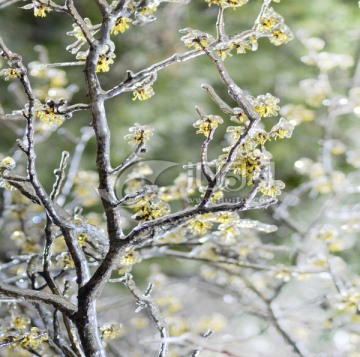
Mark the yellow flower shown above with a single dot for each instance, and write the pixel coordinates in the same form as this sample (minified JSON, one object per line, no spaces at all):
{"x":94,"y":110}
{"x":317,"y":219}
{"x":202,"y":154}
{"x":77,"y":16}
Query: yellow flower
{"x":143,"y":93}
{"x":227,"y":3}
{"x":121,"y":25}
{"x":21,"y":322}
{"x":248,"y":163}
{"x":260,"y":137}
{"x":272,"y":188}
{"x":34,"y":338}
{"x":235,"y":3}
{"x":246,"y":166}
{"x":131,"y":257}
{"x":269,"y":20}
{"x":111,"y":331}
{"x":39,"y":8}
{"x":9,"y":73}
{"x":227,"y":217}
{"x":319,"y":260}
{"x":235,"y":132}
{"x":281,"y":35}
{"x":196,"y":39}
{"x":283,"y":129}
{"x":248,"y":44}
{"x":216,"y":197}
{"x":316,"y":90}
{"x":266,"y":105}
{"x":104,"y":61}
{"x":207,"y":123}
{"x":82,"y":239}
{"x":139,"y":134}
{"x":7,"y":163}
{"x":47,"y":113}
{"x":199,"y":225}
{"x":65,"y":261}
{"x":151,"y":210}
{"x":224,"y":51}
{"x":40,"y":11}
{"x":148,"y":10}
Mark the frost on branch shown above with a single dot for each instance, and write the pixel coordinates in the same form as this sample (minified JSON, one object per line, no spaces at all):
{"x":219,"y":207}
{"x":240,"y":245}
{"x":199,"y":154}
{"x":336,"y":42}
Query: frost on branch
{"x":82,"y":237}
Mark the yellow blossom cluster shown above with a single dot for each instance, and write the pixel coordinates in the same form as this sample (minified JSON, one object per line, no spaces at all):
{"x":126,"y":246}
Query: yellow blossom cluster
{"x":139,"y":134}
{"x":320,"y":182}
{"x":10,"y":73}
{"x":65,"y":261}
{"x":227,"y":3}
{"x":21,"y":322}
{"x":196,"y":39}
{"x":130,"y":258}
{"x":200,"y":224}
{"x":248,"y":162}
{"x":82,"y":239}
{"x":121,"y":25}
{"x":271,"y":25}
{"x":143,"y":93}
{"x":283,"y":129}
{"x":48,"y":114}
{"x":266,"y":105}
{"x":249,"y":43}
{"x":40,"y":9}
{"x":151,"y":208}
{"x":28,"y":340}
{"x":271,"y":188}
{"x":7,"y":163}
{"x":207,"y":124}
{"x":104,"y":61}
{"x":110,"y":331}
{"x":34,"y":338}
{"x":224,"y":50}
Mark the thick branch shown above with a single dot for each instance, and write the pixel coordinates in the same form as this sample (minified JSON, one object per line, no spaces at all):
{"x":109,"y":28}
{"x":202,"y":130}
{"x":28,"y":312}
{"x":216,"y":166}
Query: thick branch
{"x":30,"y":295}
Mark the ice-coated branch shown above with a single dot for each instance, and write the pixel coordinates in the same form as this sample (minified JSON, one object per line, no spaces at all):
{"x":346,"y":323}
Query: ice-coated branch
{"x":144,"y":300}
{"x":139,"y":77}
{"x":60,"y":175}
{"x":37,"y":296}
